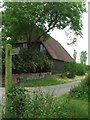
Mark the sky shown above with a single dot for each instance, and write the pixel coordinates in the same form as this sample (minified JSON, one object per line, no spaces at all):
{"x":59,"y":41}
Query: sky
{"x":82,"y":43}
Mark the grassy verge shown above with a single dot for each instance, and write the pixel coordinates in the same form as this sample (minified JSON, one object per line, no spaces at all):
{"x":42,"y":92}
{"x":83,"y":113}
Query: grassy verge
{"x":43,"y":105}
{"x":75,"y":108}
{"x":47,"y":81}
{"x":50,"y":80}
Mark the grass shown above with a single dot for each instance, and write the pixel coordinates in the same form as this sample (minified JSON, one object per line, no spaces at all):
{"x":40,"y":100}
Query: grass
{"x":75,"y":108}
{"x":50,"y":80}
{"x":46,"y":81}
{"x":72,"y":108}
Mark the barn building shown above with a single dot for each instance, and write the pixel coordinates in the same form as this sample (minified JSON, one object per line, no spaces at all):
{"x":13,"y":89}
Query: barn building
{"x":53,"y":49}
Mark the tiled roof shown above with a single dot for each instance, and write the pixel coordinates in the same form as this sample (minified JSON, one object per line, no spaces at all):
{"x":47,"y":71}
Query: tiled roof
{"x":56,"y":50}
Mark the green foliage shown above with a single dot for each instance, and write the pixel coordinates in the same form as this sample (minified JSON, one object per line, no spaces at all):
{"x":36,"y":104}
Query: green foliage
{"x":43,"y":105}
{"x":31,"y":21}
{"x":30,"y":60}
{"x":81,"y":91}
{"x":88,"y":68}
{"x":81,"y":69}
{"x":17,"y":99}
{"x":83,"y":57}
{"x":35,"y":105}
{"x":39,"y":104}
{"x":76,"y":108}
{"x":70,"y":69}
{"x":46,"y":81}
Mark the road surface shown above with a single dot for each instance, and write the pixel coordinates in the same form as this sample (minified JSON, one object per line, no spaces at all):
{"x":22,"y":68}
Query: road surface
{"x":55,"y":89}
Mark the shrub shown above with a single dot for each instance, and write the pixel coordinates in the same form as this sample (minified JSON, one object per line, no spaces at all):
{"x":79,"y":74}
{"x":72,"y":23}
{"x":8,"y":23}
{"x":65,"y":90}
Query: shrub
{"x":29,"y":60}
{"x":88,"y":68}
{"x":16,"y":105}
{"x":81,"y":69}
{"x":38,"y":104}
{"x":81,"y":91}
{"x":70,"y":69}
{"x":43,"y":105}
{"x":73,"y":68}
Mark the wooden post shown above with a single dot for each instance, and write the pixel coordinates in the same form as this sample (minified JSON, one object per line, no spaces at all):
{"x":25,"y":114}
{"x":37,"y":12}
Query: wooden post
{"x":8,"y":73}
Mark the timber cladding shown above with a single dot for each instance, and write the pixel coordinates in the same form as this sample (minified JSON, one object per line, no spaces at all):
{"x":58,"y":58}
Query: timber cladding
{"x":58,"y":66}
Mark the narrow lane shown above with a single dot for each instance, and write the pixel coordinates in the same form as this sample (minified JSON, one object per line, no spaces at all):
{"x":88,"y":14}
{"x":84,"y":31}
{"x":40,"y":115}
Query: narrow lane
{"x":56,"y":89}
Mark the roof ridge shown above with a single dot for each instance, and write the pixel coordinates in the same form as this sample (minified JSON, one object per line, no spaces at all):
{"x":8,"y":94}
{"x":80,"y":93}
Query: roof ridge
{"x":63,"y":48}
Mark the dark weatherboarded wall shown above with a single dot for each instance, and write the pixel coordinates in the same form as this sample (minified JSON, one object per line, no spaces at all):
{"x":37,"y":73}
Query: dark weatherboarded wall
{"x":58,"y":66}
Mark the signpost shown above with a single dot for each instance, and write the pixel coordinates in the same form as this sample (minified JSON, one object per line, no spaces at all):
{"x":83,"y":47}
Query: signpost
{"x":8,"y":74}
{"x":15,"y":51}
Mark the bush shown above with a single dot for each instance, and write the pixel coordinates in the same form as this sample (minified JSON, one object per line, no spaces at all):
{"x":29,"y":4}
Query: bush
{"x":81,"y":69}
{"x":43,"y":105}
{"x":81,"y":91}
{"x":17,"y":100}
{"x":29,"y":61}
{"x":73,"y":68}
{"x":70,"y":69}
{"x":35,"y":105}
{"x":88,"y":68}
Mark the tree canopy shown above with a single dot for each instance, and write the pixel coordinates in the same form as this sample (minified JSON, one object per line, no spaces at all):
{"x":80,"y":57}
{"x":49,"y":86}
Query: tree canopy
{"x":75,"y":55}
{"x":83,"y":57}
{"x":32,"y":21}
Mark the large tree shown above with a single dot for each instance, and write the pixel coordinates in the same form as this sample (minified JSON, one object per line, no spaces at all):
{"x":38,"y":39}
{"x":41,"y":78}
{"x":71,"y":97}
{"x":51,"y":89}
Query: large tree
{"x":34,"y":20}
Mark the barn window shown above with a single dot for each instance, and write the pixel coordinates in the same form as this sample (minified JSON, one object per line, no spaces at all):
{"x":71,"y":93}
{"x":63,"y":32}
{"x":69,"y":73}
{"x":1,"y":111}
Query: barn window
{"x":42,"y":49}
{"x":24,"y":45}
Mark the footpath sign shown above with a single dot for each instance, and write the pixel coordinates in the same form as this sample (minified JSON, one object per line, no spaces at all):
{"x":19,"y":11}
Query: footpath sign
{"x":15,"y":51}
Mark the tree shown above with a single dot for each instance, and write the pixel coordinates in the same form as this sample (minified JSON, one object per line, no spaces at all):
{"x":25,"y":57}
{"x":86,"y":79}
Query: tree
{"x":83,"y":57}
{"x":34,"y":20}
{"x":75,"y":55}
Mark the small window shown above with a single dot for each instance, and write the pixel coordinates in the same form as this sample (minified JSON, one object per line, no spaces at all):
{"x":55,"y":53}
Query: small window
{"x":42,"y":49}
{"x":24,"y":45}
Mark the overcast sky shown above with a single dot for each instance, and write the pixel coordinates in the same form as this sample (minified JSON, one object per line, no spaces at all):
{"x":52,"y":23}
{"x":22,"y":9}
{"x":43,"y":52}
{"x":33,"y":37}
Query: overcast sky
{"x":82,"y":43}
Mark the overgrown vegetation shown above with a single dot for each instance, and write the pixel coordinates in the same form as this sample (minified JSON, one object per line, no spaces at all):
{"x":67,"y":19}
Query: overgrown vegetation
{"x":76,"y":108}
{"x":46,"y":81}
{"x":72,"y":69}
{"x":29,"y":60}
{"x":17,"y":100}
{"x":44,"y":105}
{"x":33,"y":105}
{"x":56,"y":79}
{"x":81,"y":91}
{"x":38,"y":104}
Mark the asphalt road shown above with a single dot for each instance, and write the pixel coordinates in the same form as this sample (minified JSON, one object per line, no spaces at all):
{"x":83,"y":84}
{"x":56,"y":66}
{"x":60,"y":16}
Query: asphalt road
{"x":56,"y":89}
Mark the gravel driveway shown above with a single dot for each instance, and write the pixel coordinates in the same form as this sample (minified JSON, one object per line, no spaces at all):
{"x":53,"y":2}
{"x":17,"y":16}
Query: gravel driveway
{"x":56,"y":89}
